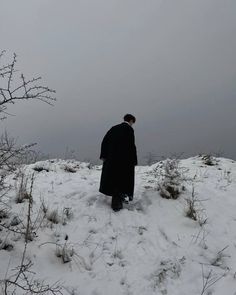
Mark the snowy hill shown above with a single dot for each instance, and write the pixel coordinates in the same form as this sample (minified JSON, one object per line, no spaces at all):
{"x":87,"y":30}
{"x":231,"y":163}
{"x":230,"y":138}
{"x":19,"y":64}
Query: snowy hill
{"x":150,"y":247}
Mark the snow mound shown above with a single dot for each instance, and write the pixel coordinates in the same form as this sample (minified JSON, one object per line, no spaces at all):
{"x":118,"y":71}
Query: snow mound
{"x":150,"y":247}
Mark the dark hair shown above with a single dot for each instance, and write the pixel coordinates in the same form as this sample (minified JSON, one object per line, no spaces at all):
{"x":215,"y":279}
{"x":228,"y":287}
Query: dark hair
{"x":129,"y":117}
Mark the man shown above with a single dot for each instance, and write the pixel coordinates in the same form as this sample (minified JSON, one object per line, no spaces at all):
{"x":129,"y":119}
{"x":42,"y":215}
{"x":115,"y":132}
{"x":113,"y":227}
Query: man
{"x":118,"y":152}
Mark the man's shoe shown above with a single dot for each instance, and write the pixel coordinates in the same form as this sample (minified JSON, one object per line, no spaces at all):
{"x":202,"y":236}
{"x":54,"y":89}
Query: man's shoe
{"x":125,"y":199}
{"x":116,"y":209}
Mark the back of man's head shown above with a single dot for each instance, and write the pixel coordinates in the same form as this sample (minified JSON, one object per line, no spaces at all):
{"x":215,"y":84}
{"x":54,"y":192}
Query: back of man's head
{"x":129,"y":118}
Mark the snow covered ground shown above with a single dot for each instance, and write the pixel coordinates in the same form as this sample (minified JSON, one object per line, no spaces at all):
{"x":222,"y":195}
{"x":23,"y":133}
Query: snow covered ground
{"x":150,"y":247}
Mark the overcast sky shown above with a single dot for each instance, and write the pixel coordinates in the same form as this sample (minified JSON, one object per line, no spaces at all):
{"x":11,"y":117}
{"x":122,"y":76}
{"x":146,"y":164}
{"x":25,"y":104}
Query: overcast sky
{"x":171,"y":63}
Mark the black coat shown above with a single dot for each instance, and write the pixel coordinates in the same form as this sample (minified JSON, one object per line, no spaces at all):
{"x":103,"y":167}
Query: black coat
{"x":119,"y":151}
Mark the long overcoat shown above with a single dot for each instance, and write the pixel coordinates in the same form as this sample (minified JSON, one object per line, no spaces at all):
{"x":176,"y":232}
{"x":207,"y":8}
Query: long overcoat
{"x":120,"y":157}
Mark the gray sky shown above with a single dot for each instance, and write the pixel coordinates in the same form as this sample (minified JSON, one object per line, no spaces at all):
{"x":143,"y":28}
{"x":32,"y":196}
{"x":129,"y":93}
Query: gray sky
{"x":171,"y":63}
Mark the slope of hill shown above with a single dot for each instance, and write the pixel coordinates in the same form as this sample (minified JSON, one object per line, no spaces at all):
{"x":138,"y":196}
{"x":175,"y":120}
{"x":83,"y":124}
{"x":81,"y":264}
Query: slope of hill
{"x":150,"y":247}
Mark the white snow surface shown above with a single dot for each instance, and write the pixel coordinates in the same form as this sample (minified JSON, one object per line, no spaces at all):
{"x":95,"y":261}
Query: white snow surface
{"x":149,"y":247}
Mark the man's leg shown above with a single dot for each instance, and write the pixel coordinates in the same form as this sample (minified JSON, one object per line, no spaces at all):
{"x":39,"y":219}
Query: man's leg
{"x":116,"y":202}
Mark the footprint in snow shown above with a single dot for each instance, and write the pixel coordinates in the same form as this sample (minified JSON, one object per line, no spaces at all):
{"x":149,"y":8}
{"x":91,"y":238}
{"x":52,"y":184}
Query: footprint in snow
{"x":75,"y":195}
{"x":140,"y":205}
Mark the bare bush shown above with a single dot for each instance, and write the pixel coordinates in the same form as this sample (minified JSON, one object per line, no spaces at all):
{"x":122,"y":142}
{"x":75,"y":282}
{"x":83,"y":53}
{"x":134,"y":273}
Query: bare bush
{"x":6,"y":245}
{"x":4,"y":213}
{"x":67,"y":215}
{"x":44,"y":207}
{"x":22,"y":192}
{"x":53,"y":216}
{"x":209,"y":160}
{"x":12,"y":155}
{"x":12,"y":90}
{"x":171,"y":183}
{"x":23,"y":278}
{"x":219,"y":259}
{"x":194,"y":210}
{"x":168,"y":270}
{"x":70,"y":169}
{"x":40,"y":169}
{"x":209,"y":279}
{"x":65,"y":251}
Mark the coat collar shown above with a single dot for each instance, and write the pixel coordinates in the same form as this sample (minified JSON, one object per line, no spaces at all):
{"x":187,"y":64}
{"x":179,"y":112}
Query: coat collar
{"x":127,"y":123}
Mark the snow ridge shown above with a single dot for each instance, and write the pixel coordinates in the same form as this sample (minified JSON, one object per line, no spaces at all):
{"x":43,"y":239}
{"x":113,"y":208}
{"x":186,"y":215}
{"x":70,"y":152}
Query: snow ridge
{"x":150,"y":247}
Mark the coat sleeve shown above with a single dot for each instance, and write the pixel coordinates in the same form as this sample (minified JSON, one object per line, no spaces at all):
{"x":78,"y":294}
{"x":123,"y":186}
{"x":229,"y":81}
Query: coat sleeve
{"x":135,"y":152}
{"x":135,"y":157}
{"x":132,"y":148}
{"x":105,"y":145}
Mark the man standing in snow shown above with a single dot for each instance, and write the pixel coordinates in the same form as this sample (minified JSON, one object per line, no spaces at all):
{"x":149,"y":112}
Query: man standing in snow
{"x":119,"y":156}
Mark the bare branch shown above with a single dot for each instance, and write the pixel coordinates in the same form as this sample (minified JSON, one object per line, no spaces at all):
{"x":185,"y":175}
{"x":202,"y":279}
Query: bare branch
{"x":5,"y":69}
{"x":12,"y":90}
{"x":11,"y":154}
